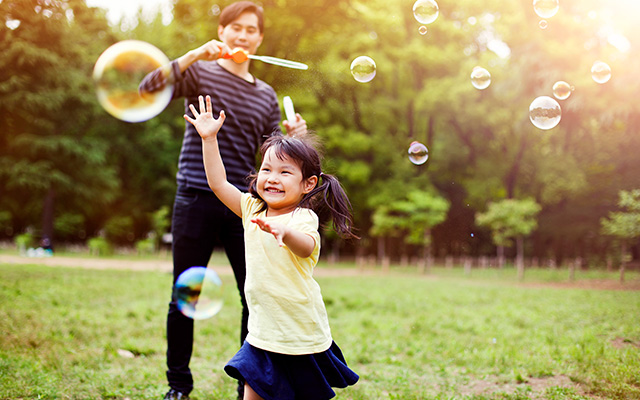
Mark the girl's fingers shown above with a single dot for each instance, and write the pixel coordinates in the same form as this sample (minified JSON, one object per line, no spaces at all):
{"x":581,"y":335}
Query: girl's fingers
{"x":201,"y":102}
{"x":209,"y":108}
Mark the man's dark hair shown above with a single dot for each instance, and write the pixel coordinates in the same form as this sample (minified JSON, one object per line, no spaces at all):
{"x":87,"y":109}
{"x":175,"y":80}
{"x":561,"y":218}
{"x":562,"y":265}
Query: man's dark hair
{"x":231,"y":12}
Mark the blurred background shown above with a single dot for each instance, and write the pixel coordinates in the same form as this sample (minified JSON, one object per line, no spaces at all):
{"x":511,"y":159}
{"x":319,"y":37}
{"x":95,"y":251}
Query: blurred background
{"x":494,"y":188}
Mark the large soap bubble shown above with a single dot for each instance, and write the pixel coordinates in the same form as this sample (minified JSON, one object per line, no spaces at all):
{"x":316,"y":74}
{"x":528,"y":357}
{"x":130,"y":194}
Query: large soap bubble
{"x":546,"y":8}
{"x":425,"y":11}
{"x":118,"y":73}
{"x":562,"y":90}
{"x":480,"y":78}
{"x":363,"y":69}
{"x":545,"y":112}
{"x":418,"y":153}
{"x":198,"y":293}
{"x":601,"y":72}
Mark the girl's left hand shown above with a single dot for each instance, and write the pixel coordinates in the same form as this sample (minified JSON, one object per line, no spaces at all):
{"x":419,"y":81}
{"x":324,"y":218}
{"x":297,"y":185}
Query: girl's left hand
{"x":274,"y":228}
{"x":206,"y":125}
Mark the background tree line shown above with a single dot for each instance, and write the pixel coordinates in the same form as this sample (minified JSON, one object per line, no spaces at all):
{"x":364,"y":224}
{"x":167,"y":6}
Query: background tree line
{"x":70,"y":171}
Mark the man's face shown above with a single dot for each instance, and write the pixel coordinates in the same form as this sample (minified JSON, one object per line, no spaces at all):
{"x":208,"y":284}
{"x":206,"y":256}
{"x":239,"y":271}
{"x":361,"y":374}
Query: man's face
{"x":242,"y":32}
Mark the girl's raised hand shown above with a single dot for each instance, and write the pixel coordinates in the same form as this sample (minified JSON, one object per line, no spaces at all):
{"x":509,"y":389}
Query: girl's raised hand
{"x":205,"y":123}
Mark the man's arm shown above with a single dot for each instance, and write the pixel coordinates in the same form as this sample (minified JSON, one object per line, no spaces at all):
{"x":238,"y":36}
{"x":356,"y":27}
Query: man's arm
{"x":208,"y":52}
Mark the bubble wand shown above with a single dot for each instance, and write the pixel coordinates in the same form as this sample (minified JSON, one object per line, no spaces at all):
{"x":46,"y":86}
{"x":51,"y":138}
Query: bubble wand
{"x":240,"y":55}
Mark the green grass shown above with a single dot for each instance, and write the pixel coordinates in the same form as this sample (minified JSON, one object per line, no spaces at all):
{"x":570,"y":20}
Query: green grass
{"x":409,"y":336}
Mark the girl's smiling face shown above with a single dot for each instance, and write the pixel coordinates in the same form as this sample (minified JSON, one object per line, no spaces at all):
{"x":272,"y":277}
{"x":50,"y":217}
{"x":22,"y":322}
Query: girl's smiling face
{"x":280,"y":183}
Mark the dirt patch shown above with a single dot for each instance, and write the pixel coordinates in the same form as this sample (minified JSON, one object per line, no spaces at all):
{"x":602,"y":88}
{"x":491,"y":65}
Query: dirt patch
{"x":536,"y":388}
{"x":142,"y":265}
{"x":595,"y":284}
{"x":621,"y":343}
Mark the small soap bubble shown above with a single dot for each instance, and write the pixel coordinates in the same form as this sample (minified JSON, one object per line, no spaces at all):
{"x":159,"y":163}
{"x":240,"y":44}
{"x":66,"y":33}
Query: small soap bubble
{"x":198,"y":293}
{"x":545,"y":112}
{"x":118,"y":73}
{"x":422,"y":30}
{"x":425,"y":11}
{"x":472,"y":235}
{"x":546,"y":8}
{"x":562,"y":90}
{"x":600,"y":72}
{"x":480,"y":78}
{"x":363,"y":69}
{"x":418,"y":153}
{"x":543,"y":24}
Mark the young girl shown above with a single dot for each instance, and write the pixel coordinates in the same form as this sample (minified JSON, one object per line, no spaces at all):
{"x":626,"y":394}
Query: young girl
{"x":289,"y":353}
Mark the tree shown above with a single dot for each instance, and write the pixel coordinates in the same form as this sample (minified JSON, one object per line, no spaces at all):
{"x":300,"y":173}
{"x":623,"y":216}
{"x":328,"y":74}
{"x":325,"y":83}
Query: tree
{"x":510,"y":219}
{"x":624,"y":225}
{"x":412,"y":216}
{"x":46,"y":113}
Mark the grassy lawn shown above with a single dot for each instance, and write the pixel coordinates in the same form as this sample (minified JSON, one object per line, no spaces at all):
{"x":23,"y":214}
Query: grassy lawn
{"x":445,"y":335}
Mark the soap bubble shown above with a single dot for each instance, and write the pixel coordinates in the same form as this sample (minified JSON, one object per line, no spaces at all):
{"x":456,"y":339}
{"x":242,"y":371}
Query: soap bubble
{"x":600,"y":72}
{"x":546,"y":8}
{"x":480,"y":78}
{"x":198,"y":293}
{"x":425,"y":11}
{"x":422,"y":30}
{"x":118,"y":73}
{"x":363,"y":69}
{"x":543,"y":24}
{"x":545,"y":112}
{"x":562,"y":90}
{"x":418,"y":153}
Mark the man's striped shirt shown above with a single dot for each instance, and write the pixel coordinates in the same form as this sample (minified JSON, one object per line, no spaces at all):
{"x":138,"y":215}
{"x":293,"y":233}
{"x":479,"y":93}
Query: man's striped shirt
{"x":252,"y":114}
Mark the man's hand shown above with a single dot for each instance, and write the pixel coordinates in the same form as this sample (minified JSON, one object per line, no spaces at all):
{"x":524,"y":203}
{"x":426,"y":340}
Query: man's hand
{"x":211,"y":50}
{"x":206,"y":125}
{"x":299,"y":126}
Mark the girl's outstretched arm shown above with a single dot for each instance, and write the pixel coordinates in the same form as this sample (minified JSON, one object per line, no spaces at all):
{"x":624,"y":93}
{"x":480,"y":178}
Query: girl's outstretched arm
{"x":208,"y":127}
{"x":298,"y":242}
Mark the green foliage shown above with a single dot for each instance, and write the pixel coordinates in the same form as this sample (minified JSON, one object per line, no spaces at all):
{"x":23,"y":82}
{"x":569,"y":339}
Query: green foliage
{"x":146,"y":246}
{"x":509,"y":218}
{"x":482,"y":146}
{"x":99,"y":246}
{"x":119,"y":230}
{"x":624,"y":224}
{"x":25,"y":240}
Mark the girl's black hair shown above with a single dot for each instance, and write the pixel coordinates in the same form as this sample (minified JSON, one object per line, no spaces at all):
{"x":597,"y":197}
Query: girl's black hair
{"x":328,"y":198}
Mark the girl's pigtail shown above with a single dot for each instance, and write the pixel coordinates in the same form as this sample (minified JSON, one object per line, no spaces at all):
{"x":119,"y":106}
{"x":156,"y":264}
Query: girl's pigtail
{"x":331,"y":196}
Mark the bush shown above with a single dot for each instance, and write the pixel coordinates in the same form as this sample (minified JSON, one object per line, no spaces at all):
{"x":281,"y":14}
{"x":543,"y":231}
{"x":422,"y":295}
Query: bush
{"x":119,"y":230}
{"x":146,"y":246}
{"x":24,"y":241}
{"x":99,"y":246}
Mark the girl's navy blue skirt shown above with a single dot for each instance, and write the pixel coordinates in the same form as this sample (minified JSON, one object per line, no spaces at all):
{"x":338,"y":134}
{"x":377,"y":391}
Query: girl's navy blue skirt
{"x":291,"y":377}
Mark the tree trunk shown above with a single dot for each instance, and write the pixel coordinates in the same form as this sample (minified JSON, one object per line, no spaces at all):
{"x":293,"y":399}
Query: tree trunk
{"x":47,"y":216}
{"x":500,"y":256}
{"x":520,"y":257}
{"x":381,"y":250}
{"x":623,"y":259}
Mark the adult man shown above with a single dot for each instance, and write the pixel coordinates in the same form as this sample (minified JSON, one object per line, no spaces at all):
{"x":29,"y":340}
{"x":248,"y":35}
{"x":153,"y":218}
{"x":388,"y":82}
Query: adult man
{"x":200,"y":220}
